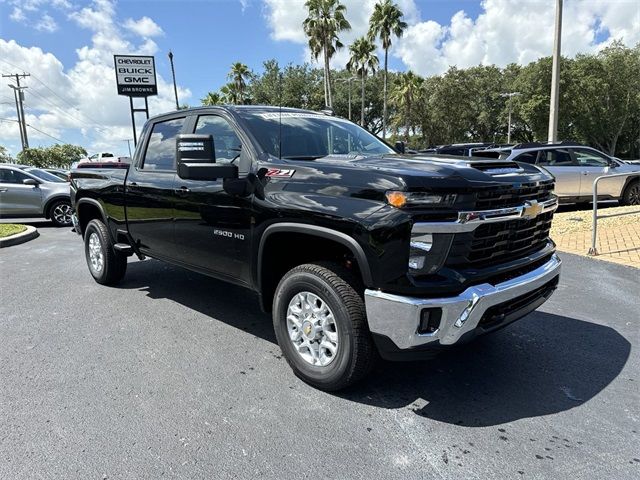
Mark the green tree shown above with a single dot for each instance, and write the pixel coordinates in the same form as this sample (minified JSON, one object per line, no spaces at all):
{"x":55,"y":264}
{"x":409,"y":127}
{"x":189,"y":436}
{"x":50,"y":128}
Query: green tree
{"x":55,"y":156}
{"x":5,"y":156}
{"x":404,"y":95}
{"x":363,"y":61}
{"x":212,"y":98}
{"x":325,"y":20}
{"x":385,"y":22}
{"x":239,"y":75}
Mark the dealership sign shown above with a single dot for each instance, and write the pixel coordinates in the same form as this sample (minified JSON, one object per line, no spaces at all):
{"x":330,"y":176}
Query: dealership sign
{"x":135,"y":75}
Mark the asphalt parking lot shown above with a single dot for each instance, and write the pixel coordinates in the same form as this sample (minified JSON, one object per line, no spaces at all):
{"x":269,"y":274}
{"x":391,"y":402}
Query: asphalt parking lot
{"x":177,"y":375}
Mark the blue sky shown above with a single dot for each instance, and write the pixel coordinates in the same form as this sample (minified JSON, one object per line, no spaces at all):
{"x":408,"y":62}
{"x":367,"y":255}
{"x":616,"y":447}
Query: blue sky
{"x":67,"y":45}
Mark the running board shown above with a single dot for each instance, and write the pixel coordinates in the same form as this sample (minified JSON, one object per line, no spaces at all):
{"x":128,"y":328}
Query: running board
{"x":127,"y":248}
{"x":124,"y":248}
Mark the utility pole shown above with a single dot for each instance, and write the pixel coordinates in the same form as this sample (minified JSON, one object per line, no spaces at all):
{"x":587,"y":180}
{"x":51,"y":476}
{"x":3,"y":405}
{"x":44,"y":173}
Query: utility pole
{"x":128,"y":145}
{"x":510,"y":95}
{"x":173,"y":74}
{"x":555,"y":76}
{"x":19,"y":96}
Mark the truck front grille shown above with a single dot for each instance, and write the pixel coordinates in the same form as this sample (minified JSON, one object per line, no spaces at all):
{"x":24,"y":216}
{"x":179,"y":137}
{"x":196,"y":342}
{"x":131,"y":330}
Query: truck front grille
{"x":495,"y":243}
{"x":510,"y":196}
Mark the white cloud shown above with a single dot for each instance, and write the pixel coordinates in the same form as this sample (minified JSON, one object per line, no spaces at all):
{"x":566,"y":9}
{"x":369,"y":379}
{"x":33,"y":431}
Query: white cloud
{"x":17,"y":15}
{"x":85,"y":107}
{"x":505,"y":31}
{"x":285,"y":18}
{"x":145,"y":27}
{"x":46,"y":24}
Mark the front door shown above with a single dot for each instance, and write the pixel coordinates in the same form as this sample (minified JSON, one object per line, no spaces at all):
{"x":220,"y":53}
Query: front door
{"x":593,"y":165}
{"x":562,"y":166}
{"x":212,"y":228}
{"x":16,"y":198}
{"x":150,"y":190}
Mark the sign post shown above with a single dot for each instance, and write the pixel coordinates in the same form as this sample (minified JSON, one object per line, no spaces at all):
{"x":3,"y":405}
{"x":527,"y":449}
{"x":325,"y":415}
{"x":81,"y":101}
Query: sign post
{"x":136,"y":77}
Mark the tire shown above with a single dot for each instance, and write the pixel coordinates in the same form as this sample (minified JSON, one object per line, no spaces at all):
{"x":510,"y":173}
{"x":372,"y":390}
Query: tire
{"x":105,"y":264}
{"x":631,"y":194}
{"x":336,"y":289}
{"x":60,"y":213}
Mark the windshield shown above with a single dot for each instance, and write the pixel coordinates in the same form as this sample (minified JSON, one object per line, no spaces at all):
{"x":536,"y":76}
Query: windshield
{"x":46,"y":176}
{"x":310,"y":136}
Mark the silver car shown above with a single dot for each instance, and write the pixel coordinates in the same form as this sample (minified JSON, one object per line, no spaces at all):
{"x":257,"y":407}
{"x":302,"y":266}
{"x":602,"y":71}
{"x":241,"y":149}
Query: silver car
{"x":575,"y":167}
{"x":29,"y":193}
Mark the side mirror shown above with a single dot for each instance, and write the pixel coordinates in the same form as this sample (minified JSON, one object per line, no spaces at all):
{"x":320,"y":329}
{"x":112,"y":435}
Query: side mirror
{"x":30,"y":181}
{"x":612,"y":163}
{"x":400,"y":147}
{"x":196,"y":159}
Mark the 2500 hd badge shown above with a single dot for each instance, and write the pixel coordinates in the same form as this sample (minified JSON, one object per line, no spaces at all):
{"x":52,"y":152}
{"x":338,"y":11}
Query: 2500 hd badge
{"x":364,"y":249}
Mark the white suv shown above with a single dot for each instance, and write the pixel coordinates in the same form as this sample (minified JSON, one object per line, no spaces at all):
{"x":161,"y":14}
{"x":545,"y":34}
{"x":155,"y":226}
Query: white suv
{"x":575,"y":167}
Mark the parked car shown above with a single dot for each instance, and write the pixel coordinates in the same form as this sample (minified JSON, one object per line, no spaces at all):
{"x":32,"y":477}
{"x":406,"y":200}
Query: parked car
{"x":63,"y":174}
{"x":42,"y":174}
{"x":25,"y":193}
{"x":575,"y":167}
{"x":460,"y":149}
{"x":353,"y":247}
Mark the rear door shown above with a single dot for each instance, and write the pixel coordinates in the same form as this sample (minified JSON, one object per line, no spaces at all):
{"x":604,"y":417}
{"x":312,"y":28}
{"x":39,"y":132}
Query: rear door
{"x":16,"y":198}
{"x":150,"y":187}
{"x":212,"y":227}
{"x":562,"y":165}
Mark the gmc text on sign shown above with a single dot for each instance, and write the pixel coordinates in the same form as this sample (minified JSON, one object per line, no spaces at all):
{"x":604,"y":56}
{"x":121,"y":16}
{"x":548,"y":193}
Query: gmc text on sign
{"x":135,"y":75}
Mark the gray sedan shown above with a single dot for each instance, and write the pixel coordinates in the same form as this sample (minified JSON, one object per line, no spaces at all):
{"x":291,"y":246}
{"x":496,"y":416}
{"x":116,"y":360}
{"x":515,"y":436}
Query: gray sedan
{"x":34,"y":193}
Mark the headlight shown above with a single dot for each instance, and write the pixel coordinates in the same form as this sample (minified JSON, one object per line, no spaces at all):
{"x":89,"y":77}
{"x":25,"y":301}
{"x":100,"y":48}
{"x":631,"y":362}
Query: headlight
{"x":427,"y":252}
{"x":400,"y":199}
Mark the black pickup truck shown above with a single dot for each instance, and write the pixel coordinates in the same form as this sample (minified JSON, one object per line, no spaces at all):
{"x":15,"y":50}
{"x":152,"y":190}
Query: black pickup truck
{"x":354,"y":247}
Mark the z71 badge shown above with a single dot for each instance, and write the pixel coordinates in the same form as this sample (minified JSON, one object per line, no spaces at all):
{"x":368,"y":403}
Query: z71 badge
{"x":278,"y":173}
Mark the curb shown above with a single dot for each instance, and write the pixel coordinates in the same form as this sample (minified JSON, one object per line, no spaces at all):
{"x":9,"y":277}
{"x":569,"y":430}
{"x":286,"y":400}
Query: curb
{"x":29,"y":234}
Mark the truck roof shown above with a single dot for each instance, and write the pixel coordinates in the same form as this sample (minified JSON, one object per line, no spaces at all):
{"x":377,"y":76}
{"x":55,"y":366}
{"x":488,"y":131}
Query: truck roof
{"x":238,"y":108}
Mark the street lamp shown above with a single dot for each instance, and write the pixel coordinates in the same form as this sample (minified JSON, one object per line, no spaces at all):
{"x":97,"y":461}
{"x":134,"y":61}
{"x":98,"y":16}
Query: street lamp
{"x":510,"y":95}
{"x":348,"y":80}
{"x":555,"y":76}
{"x":173,"y":74}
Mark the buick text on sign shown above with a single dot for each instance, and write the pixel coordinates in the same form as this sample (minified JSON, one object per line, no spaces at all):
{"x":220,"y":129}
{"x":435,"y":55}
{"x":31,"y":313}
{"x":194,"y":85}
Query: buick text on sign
{"x":135,"y":75}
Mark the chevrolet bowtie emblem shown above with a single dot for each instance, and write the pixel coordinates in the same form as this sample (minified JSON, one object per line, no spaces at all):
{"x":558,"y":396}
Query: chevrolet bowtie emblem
{"x":531,"y":209}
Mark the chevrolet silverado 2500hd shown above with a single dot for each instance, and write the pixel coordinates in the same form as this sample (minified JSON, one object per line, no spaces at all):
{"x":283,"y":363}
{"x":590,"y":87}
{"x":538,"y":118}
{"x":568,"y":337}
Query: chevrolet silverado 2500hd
{"x":350,"y":245}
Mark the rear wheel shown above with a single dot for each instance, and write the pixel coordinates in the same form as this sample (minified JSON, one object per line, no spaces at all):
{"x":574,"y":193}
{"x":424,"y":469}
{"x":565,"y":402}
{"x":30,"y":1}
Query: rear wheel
{"x":107,"y":266}
{"x":631,"y":195}
{"x":320,"y":323}
{"x":60,"y":213}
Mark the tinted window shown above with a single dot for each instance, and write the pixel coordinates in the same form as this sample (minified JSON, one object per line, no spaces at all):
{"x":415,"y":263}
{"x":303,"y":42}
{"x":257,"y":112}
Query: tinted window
{"x":225,"y":141}
{"x":105,"y":155}
{"x":46,"y":176}
{"x":309,"y":135}
{"x":528,"y":157}
{"x":161,"y":149}
{"x":555,"y":158}
{"x":589,"y":158}
{"x":12,"y":176}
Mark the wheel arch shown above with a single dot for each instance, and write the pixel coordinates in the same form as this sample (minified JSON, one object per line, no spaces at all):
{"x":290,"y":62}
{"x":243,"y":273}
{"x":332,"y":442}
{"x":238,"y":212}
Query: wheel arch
{"x":333,"y":243}
{"x":51,"y":201}
{"x":86,"y":210}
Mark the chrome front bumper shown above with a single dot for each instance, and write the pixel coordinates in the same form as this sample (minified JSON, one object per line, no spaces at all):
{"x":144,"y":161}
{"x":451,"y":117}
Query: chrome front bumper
{"x":398,"y":317}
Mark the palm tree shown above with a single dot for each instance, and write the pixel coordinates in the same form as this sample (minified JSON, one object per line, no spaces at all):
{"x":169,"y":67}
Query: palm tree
{"x":404,"y":96}
{"x":230,"y":94}
{"x":385,"y":21}
{"x":212,"y":98}
{"x":363,"y":60}
{"x":239,"y":75}
{"x":325,"y":20}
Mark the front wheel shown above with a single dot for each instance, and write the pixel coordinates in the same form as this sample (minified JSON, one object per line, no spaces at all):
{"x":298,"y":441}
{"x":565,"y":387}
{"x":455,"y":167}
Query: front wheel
{"x":107,"y":266}
{"x":631,"y":195}
{"x":60,"y":213}
{"x":320,"y":323}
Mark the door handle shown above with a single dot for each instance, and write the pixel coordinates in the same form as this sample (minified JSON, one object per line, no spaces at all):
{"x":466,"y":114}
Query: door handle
{"x":182,"y":190}
{"x":585,"y":173}
{"x":3,"y":190}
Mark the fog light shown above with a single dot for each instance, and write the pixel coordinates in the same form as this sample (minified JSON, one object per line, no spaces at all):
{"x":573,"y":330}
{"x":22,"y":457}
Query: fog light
{"x":429,"y":320}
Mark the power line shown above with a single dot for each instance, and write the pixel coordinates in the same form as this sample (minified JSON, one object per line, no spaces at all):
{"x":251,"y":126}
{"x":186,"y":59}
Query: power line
{"x":19,"y":97}
{"x":34,"y":128}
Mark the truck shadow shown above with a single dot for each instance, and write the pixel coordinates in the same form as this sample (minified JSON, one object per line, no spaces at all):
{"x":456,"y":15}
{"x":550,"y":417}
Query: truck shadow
{"x":541,"y":365}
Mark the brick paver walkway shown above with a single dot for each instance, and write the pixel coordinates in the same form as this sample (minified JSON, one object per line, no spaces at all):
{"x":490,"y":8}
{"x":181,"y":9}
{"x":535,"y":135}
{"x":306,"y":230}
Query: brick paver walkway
{"x":619,"y":244}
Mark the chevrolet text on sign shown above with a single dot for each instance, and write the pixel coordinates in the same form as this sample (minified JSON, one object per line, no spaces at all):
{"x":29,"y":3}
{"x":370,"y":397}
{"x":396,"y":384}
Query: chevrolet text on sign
{"x":135,"y":75}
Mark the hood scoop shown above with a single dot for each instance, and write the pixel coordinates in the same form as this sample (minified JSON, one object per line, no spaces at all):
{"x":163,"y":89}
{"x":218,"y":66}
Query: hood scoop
{"x":496,"y":167}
